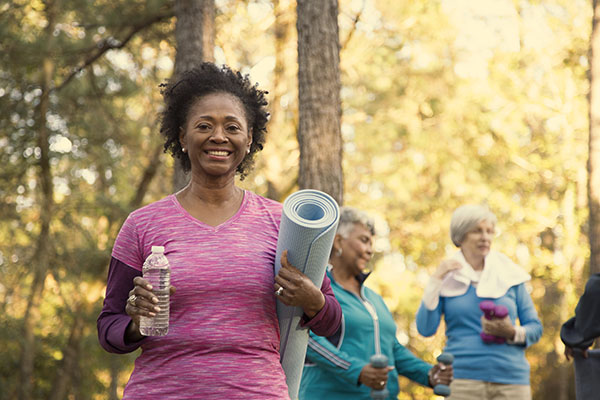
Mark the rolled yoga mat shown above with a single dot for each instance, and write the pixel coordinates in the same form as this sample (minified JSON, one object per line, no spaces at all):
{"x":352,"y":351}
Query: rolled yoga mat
{"x":587,"y":371}
{"x":308,"y":224}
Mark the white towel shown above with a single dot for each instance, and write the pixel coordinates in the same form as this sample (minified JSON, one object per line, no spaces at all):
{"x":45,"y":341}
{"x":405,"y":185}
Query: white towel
{"x":499,"y":274}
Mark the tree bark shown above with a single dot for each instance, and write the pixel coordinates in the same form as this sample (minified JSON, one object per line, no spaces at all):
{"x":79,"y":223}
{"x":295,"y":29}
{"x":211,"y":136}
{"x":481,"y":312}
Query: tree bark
{"x":319,"y":130}
{"x":147,"y":176}
{"x":195,"y":37}
{"x":41,"y":257}
{"x":277,"y":150}
{"x":70,"y":362}
{"x":115,"y":368}
{"x":594,"y":144}
{"x":280,"y":31}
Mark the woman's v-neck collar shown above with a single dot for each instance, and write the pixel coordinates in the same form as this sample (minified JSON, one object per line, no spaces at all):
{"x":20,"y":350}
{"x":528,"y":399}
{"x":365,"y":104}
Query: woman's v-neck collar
{"x":204,"y":225}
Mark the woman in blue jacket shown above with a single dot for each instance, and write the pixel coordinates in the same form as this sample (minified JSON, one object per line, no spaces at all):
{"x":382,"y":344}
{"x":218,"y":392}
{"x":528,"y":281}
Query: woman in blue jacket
{"x":483,"y":370}
{"x":338,"y":367}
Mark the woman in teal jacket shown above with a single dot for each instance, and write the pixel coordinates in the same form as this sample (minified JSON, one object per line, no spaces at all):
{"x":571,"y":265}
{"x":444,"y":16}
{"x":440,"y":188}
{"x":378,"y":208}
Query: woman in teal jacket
{"x":338,"y":367}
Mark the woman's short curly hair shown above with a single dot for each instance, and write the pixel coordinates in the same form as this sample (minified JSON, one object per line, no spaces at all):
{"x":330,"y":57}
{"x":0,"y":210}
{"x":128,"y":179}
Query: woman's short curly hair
{"x":198,"y":82}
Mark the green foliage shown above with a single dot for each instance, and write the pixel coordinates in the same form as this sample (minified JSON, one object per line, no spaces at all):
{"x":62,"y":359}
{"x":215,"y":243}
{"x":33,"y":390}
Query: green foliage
{"x":422,"y":136}
{"x":100,"y":117}
{"x":425,"y":139}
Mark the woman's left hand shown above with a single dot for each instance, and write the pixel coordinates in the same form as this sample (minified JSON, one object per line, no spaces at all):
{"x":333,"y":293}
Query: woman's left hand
{"x":295,"y":289}
{"x":502,"y":327}
{"x":570,"y":353}
{"x":441,"y":374}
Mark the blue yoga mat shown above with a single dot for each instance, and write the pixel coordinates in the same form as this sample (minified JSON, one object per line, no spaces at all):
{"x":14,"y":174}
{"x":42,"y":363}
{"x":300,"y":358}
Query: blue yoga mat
{"x":587,"y":371}
{"x":308,"y":224}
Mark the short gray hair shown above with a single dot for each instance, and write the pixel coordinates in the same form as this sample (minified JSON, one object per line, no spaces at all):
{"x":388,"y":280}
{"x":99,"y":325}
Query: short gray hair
{"x":350,"y":216}
{"x":465,"y":218}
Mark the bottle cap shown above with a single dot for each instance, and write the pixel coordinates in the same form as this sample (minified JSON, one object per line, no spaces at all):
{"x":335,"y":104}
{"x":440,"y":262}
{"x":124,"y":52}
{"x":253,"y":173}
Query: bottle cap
{"x":158,"y":249}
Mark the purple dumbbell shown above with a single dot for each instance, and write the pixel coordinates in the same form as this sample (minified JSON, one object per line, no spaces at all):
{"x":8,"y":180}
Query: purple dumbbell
{"x":491,"y":311}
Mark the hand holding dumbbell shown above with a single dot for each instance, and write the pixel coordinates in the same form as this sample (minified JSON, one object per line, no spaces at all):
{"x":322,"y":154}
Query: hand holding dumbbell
{"x":379,"y":361}
{"x":492,"y":311}
{"x":440,"y":389}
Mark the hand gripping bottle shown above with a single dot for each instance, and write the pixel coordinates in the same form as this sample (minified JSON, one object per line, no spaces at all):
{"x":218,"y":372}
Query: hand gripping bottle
{"x":491,"y":311}
{"x":157,"y":272}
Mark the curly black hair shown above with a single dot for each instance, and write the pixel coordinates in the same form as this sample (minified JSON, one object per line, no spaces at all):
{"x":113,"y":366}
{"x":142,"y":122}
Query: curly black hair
{"x":198,"y":82}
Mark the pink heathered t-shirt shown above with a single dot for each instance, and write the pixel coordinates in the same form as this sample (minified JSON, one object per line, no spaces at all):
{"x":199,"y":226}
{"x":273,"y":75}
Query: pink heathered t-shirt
{"x":223,"y":338}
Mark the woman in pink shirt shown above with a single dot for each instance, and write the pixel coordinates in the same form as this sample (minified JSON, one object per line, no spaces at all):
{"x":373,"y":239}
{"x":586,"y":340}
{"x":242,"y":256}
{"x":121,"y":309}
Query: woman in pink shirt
{"x":223,"y":340}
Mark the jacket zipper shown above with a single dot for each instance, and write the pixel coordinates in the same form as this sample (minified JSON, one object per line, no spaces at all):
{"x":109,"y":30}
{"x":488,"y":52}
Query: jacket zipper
{"x":375,"y":318}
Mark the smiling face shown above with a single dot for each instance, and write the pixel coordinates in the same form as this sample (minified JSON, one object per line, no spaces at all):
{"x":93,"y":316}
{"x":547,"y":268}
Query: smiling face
{"x":216,"y":136}
{"x":477,"y":242}
{"x":357,"y":249}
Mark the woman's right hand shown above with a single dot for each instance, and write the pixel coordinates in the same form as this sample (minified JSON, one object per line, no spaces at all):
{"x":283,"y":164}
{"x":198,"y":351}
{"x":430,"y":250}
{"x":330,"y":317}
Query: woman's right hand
{"x":141,"y":302}
{"x":375,"y":378}
{"x":445,"y":267}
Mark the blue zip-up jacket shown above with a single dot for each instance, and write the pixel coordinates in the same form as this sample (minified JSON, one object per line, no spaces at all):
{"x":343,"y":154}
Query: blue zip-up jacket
{"x":474,"y":359}
{"x":333,"y":364}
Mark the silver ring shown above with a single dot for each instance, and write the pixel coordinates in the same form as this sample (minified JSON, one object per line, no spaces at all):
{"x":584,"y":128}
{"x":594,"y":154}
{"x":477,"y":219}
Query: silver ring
{"x":279,"y":291}
{"x":131,"y":300}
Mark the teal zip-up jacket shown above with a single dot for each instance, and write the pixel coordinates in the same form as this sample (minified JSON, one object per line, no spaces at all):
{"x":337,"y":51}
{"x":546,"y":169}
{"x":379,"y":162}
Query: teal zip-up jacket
{"x":333,"y":364}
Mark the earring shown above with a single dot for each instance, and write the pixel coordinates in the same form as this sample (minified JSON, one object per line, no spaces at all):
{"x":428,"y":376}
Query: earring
{"x":183,"y":149}
{"x":247,"y":151}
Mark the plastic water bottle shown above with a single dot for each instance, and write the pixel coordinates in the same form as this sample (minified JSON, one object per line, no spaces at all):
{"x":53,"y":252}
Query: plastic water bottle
{"x":157,"y":272}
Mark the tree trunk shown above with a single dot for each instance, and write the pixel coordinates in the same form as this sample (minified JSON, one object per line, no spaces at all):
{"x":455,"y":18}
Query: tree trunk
{"x":115,"y":369}
{"x":70,"y":362}
{"x":195,"y":37}
{"x":277,"y":150}
{"x":147,"y":176}
{"x":41,"y":257}
{"x":594,"y":144}
{"x":281,"y":27}
{"x":319,"y":131}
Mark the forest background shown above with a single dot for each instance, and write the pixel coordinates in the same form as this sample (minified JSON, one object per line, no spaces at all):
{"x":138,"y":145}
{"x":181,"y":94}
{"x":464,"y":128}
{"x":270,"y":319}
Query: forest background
{"x":444,"y":102}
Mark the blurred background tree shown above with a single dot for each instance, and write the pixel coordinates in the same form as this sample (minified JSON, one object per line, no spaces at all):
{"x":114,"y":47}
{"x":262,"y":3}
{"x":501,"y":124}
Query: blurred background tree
{"x":319,"y":136}
{"x":195,"y":42}
{"x":594,"y":143}
{"x":443,"y":102}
